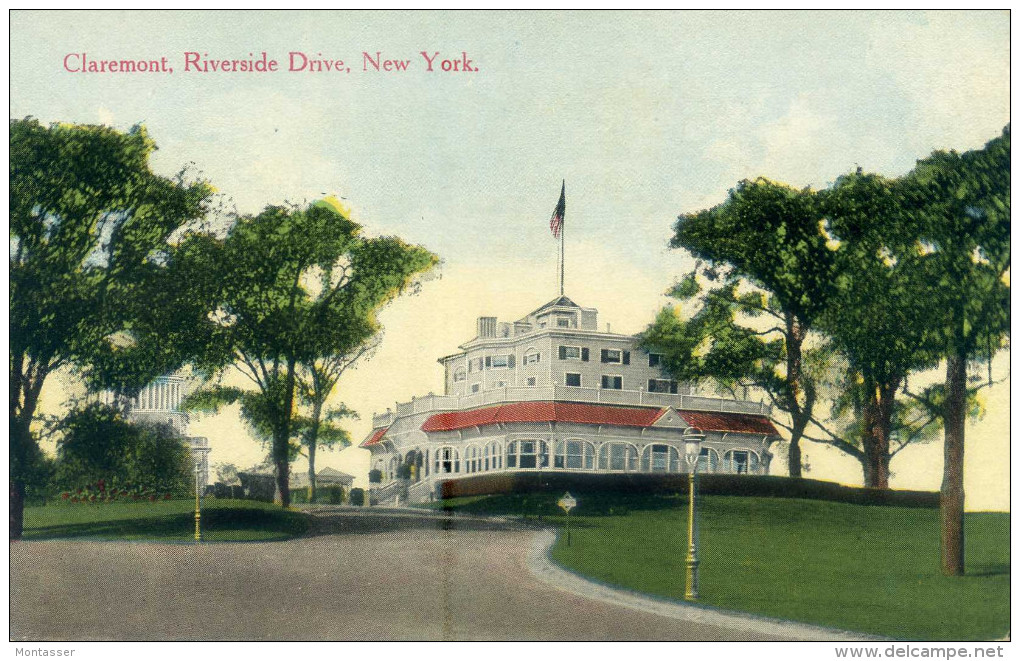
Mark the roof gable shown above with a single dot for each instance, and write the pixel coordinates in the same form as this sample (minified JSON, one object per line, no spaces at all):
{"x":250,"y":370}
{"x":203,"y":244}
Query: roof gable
{"x":670,"y":418}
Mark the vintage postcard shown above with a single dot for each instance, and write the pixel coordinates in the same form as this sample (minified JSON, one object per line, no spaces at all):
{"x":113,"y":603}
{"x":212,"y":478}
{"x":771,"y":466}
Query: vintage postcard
{"x":510,"y":326}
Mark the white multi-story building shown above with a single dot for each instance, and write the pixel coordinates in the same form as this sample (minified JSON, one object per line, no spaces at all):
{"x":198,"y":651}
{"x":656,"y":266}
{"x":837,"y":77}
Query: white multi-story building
{"x":550,"y":392}
{"x":160,"y":403}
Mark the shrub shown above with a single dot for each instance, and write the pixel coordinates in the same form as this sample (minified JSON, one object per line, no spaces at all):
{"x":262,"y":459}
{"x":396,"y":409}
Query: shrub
{"x":334,"y":494}
{"x":375,"y":476}
{"x":357,"y":497}
{"x":761,"y":486}
{"x":100,"y":454}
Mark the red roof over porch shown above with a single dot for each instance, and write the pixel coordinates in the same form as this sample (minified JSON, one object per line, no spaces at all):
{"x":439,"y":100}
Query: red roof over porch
{"x":592,"y":414}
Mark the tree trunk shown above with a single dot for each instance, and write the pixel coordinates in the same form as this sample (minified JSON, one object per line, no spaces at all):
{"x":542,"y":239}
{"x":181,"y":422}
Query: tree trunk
{"x":282,"y":472}
{"x":281,"y":438}
{"x":17,"y":507}
{"x":877,"y":428}
{"x":21,"y":444}
{"x":313,"y":442}
{"x":951,"y":497}
{"x":800,"y":422}
{"x":311,"y":472}
{"x":794,"y":369}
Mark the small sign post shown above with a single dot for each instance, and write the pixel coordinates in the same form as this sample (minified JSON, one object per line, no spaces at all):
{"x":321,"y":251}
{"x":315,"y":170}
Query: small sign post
{"x":567,"y":503}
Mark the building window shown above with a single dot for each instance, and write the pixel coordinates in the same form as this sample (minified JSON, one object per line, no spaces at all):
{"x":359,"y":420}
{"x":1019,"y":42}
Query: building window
{"x":618,"y":457}
{"x":492,"y":456}
{"x":459,"y":374}
{"x":527,"y":454}
{"x":573,"y":380}
{"x":654,"y":359}
{"x":740,"y":461}
{"x":472,"y":460}
{"x":447,"y":460}
{"x":563,"y":322}
{"x":475,"y":387}
{"x":531,"y":380}
{"x":612,"y":382}
{"x":661,"y":458}
{"x":708,"y":460}
{"x":578,"y":455}
{"x":573,"y":353}
{"x":499,"y":362}
{"x":532,"y":357}
{"x":476,"y":364}
{"x":615,"y":356}
{"x":662,"y":385}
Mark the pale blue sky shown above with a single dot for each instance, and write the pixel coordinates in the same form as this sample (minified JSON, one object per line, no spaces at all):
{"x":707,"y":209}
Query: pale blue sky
{"x":644,"y":115}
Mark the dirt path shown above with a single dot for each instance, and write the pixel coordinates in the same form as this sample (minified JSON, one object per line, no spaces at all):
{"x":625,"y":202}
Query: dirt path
{"x":359,"y":576}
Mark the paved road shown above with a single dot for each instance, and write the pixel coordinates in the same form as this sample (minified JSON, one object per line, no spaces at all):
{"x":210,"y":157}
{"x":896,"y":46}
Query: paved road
{"x":359,"y":576}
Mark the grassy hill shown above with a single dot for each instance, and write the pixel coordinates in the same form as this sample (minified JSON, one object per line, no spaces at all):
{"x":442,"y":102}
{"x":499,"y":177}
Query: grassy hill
{"x":864,"y":568}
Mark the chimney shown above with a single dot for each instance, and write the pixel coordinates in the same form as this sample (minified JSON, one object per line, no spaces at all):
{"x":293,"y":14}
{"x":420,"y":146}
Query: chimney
{"x":486,"y":327}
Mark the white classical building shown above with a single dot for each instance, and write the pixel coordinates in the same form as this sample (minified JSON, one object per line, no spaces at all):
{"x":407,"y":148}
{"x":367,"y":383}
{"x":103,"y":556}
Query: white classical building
{"x":550,"y":392}
{"x":160,"y":402}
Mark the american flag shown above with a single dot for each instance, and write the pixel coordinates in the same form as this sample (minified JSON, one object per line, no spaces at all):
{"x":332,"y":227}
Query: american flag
{"x":556,"y":222}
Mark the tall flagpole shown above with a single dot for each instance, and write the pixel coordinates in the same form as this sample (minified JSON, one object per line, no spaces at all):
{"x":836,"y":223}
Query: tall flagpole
{"x":563,"y":253}
{"x":557,"y":225}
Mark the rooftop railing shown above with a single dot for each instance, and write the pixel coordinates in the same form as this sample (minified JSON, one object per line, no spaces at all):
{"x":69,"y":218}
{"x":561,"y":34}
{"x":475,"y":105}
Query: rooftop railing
{"x":440,"y":403}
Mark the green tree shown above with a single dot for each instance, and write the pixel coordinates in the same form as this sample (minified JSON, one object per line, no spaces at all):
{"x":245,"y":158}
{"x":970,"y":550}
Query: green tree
{"x":226,"y":473}
{"x":277,"y":282}
{"x":97,"y":443}
{"x":90,"y":225}
{"x":877,"y":308}
{"x":765,"y":246}
{"x":960,"y":206}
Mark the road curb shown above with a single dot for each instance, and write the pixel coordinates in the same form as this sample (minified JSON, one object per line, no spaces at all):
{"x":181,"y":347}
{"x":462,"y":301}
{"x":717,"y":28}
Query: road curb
{"x":548,"y":572}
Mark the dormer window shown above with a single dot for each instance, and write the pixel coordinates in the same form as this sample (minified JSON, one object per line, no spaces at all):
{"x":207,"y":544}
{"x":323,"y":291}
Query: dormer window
{"x":563,"y":322}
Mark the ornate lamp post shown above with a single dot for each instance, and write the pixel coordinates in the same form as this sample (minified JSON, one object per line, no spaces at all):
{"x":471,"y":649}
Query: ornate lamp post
{"x":198,"y":502}
{"x":692,"y":452}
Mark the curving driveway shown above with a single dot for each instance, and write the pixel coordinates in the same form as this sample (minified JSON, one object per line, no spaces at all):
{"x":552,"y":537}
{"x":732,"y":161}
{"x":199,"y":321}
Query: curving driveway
{"x":359,"y":576}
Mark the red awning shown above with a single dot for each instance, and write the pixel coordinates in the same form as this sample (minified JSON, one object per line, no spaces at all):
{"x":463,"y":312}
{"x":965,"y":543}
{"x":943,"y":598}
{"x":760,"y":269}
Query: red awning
{"x":741,"y":423}
{"x":376,"y":436}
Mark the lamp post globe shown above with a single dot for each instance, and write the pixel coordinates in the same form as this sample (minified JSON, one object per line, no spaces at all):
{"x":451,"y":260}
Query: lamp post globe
{"x":692,"y":453}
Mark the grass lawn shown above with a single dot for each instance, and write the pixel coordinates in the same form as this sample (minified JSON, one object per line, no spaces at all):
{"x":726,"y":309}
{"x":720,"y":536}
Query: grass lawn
{"x":867,"y":569}
{"x":165,"y":521}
